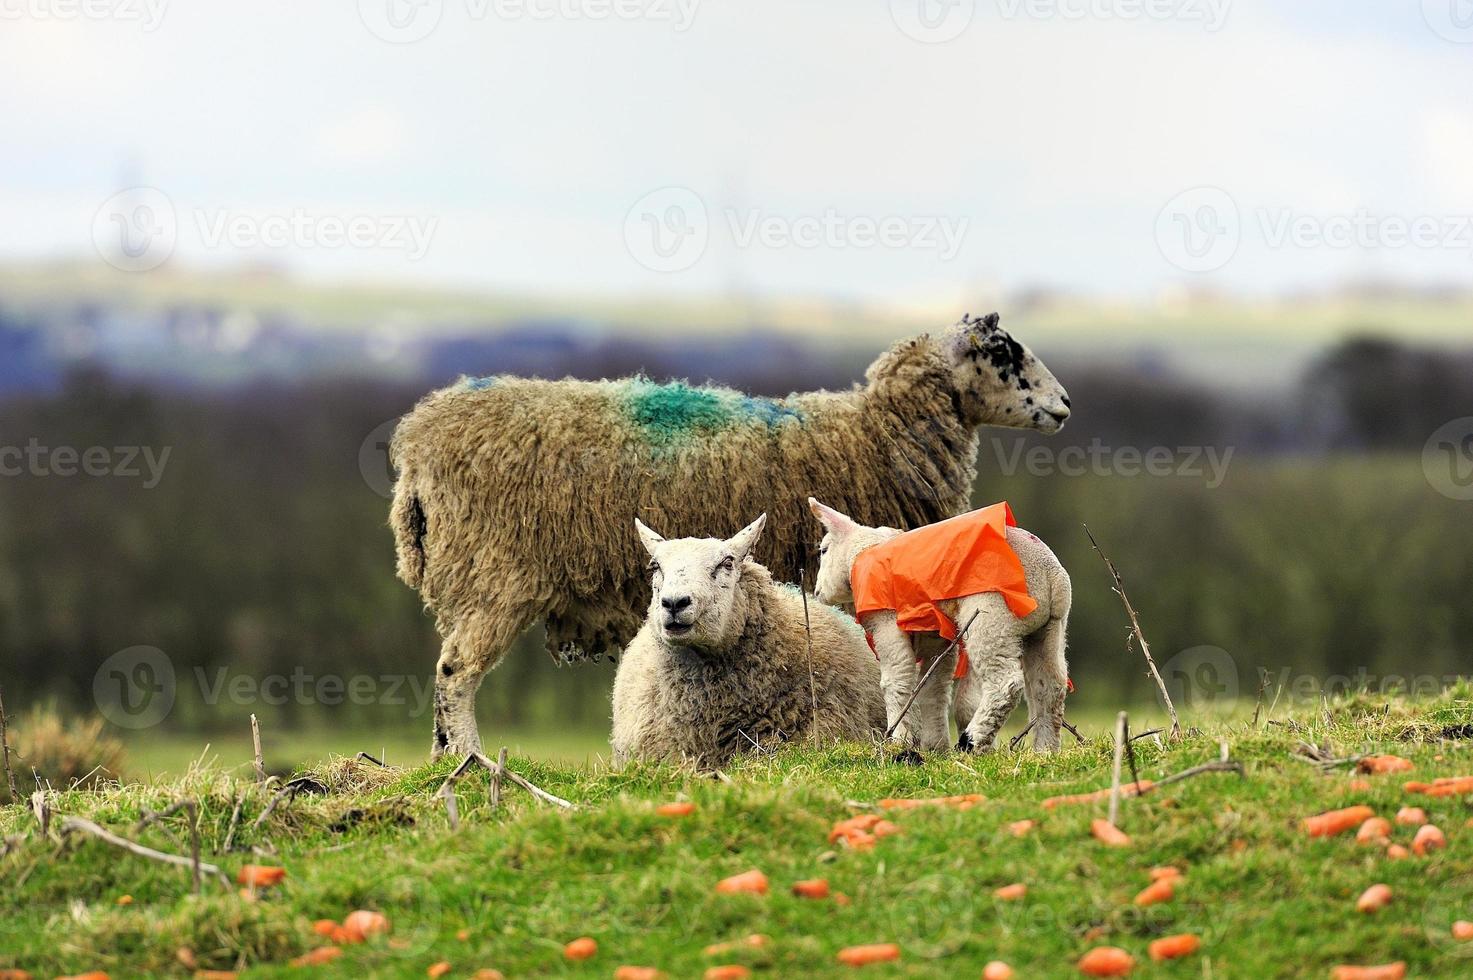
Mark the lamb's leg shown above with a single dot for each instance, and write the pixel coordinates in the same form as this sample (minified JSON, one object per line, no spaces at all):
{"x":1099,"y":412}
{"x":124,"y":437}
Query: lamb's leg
{"x":897,"y":673}
{"x":929,"y":715}
{"x":965,"y":698}
{"x":1046,"y":682}
{"x":1046,"y":672}
{"x":471,"y":648}
{"x":998,"y":674}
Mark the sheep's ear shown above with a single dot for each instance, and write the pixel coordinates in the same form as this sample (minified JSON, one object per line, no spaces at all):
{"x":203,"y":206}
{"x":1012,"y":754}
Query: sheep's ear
{"x":648,"y":538}
{"x":830,"y":518}
{"x":741,"y":543}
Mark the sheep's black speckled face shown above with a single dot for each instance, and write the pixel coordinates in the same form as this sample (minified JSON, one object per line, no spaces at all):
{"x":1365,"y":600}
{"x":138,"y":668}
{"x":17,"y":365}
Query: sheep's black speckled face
{"x":1000,"y":382}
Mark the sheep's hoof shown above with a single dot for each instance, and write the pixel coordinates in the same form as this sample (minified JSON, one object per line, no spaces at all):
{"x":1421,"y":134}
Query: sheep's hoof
{"x":910,"y":757}
{"x":964,"y":742}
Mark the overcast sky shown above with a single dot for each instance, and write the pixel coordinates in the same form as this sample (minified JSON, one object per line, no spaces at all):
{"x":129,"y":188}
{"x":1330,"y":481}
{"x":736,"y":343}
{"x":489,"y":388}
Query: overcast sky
{"x":840,"y":148}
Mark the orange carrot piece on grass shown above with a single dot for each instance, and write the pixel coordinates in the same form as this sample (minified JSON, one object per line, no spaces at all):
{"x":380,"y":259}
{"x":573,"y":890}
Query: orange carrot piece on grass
{"x":811,"y":888}
{"x":1109,"y":834}
{"x":318,"y":956}
{"x":1358,"y":785}
{"x":637,"y":973}
{"x":1391,"y":971}
{"x":1165,"y":871}
{"x":1337,"y":821}
{"x":362,"y":923}
{"x":582,"y":948}
{"x":1376,"y":830}
{"x":1010,"y":893}
{"x":1126,"y":789}
{"x":486,"y":973}
{"x":1160,"y":890}
{"x":885,"y":828}
{"x":1106,"y":961}
{"x":1374,"y":899}
{"x":1020,"y":828}
{"x":1172,"y":947}
{"x":997,"y":970}
{"x":93,"y":975}
{"x":437,"y":970}
{"x":325,"y":927}
{"x":754,"y":941}
{"x":732,"y":971}
{"x":870,"y":953}
{"x":680,"y":809}
{"x":206,"y":975}
{"x":1411,"y":816}
{"x":752,"y":882}
{"x":1397,"y":853}
{"x":1377,"y":764}
{"x":260,"y":875}
{"x":1429,"y":838}
{"x":1463,"y":931}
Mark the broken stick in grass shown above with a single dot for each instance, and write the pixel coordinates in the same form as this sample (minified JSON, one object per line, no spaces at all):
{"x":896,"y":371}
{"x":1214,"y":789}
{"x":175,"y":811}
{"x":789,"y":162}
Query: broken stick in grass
{"x":447,"y":790}
{"x":256,"y":744}
{"x":1135,"y":626}
{"x":78,"y":825}
{"x":496,"y":778}
{"x":5,"y":751}
{"x":1120,"y":729}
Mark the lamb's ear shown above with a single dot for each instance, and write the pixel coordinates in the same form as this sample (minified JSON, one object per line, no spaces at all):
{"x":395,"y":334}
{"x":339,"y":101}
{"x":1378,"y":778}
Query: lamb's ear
{"x":830,"y":518}
{"x":648,"y":538}
{"x":741,"y":542}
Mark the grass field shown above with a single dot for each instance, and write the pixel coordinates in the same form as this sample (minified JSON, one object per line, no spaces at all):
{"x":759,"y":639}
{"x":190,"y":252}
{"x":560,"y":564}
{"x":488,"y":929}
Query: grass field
{"x":519,"y":881}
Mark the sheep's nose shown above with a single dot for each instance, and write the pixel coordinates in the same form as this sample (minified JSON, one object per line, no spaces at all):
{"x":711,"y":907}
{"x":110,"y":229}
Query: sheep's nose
{"x":676,"y":604}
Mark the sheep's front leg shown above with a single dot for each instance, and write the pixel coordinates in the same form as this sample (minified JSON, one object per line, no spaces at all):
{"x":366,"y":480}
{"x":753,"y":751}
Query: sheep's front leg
{"x":898,"y":674}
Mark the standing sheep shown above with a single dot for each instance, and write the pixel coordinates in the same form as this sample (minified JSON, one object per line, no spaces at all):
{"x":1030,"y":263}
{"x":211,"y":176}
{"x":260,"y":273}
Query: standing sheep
{"x":513,"y":498}
{"x":1014,"y":641}
{"x":722,"y":663}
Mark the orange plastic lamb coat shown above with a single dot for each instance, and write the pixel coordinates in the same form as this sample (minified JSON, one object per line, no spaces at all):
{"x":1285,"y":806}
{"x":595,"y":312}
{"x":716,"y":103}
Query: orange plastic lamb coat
{"x":913,"y":573}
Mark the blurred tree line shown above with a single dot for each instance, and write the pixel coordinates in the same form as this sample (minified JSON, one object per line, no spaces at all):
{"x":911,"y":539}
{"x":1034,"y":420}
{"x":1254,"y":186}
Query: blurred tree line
{"x":263,"y":549}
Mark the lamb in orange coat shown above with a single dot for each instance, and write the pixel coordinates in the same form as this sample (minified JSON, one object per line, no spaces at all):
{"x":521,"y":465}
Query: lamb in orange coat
{"x":980,"y":573}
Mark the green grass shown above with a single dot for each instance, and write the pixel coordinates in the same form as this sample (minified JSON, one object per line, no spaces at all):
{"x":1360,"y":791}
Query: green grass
{"x":524,"y":879}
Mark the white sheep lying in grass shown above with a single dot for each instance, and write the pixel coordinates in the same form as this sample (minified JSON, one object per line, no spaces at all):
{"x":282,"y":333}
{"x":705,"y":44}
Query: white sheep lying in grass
{"x":721,"y":664}
{"x":1009,"y":656}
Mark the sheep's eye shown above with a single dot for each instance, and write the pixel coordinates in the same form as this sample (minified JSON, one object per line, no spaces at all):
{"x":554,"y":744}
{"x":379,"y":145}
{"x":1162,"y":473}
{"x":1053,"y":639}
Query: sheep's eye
{"x":727,"y":564}
{"x":654,"y":566}
{"x":823,"y":550}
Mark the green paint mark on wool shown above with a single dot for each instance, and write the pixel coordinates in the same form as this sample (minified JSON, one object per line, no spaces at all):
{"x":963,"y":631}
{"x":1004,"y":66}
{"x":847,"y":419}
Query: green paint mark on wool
{"x":677,"y":411}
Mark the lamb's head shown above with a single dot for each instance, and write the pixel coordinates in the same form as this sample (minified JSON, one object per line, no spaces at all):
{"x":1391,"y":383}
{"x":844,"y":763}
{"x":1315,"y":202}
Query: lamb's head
{"x":695,"y":601}
{"x":844,"y":538}
{"x":1000,"y":381}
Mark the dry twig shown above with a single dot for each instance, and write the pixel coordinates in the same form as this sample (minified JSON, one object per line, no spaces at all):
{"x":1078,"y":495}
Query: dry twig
{"x":1120,"y":726}
{"x":79,"y":825}
{"x":496,"y":778}
{"x":1135,"y":626}
{"x":5,"y":751}
{"x":256,"y":742}
{"x":42,"y":810}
